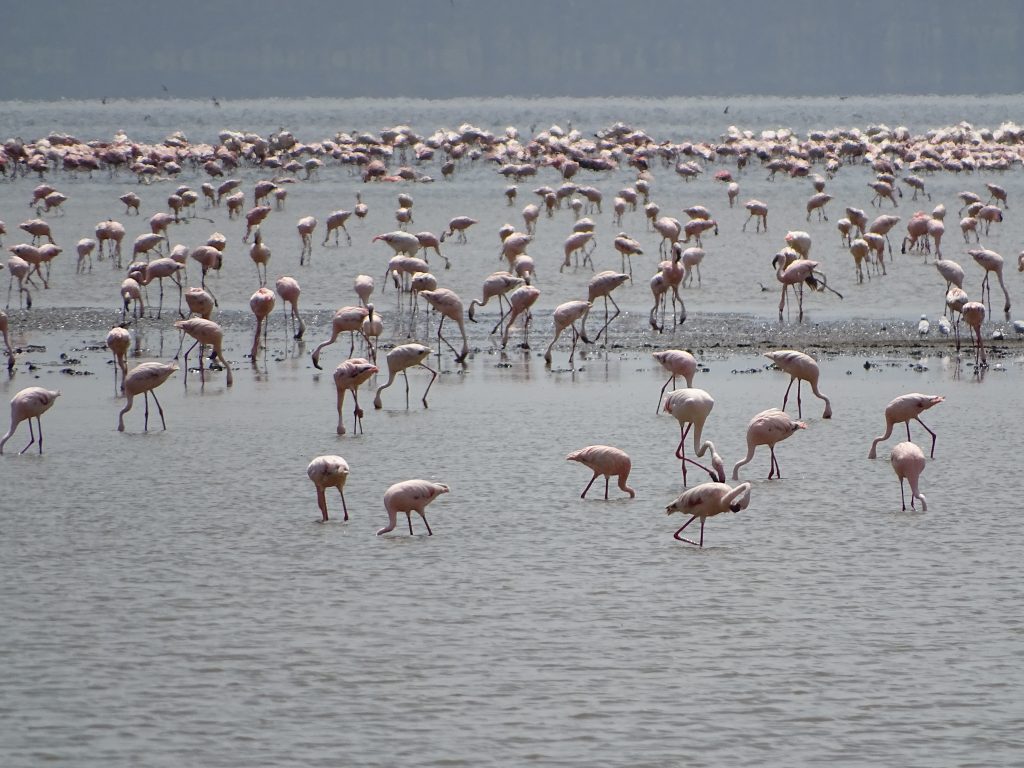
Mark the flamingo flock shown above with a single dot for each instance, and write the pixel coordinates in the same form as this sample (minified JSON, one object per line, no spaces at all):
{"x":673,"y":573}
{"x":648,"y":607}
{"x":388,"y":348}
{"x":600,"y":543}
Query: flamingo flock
{"x":399,"y":156}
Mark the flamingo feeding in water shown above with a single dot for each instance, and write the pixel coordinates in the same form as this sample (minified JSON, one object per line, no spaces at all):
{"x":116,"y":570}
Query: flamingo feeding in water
{"x":328,"y":471}
{"x":565,"y":316}
{"x":410,"y":496}
{"x":143,"y":379}
{"x":801,"y":368}
{"x":767,"y":428}
{"x":604,"y":460}
{"x":901,"y":410}
{"x":349,"y":375}
{"x":678,"y":362}
{"x":30,"y":403}
{"x":400,"y":360}
{"x":691,"y":408}
{"x":908,"y":462}
{"x":707,"y":500}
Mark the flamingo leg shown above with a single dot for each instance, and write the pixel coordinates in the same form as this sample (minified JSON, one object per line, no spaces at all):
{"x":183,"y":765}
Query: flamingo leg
{"x":903,"y":498}
{"x":344,"y":506}
{"x":408,"y":517}
{"x":321,"y":500}
{"x":433,"y":375}
{"x":774,"y":470}
{"x":584,"y":494}
{"x":672,"y":381}
{"x":690,"y":541}
{"x":424,"y":518}
{"x":33,"y":437}
{"x":145,"y":419}
{"x":799,"y":405}
{"x":785,"y":398}
{"x":934,"y":436}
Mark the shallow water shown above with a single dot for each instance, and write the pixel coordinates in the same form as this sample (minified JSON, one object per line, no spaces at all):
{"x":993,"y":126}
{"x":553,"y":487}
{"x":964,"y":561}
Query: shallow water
{"x":171,"y":598}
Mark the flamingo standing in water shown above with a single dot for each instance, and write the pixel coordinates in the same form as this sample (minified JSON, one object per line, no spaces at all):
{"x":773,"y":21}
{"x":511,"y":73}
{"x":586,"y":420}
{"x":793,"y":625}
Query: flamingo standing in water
{"x":901,"y":410}
{"x":707,"y":500}
{"x":345,"y":319}
{"x":678,"y":362}
{"x":691,"y":408}
{"x":991,"y":261}
{"x":288,"y":289}
{"x":767,"y":428}
{"x":260,"y":255}
{"x":973,"y":313}
{"x":520,"y":301}
{"x":142,"y":380}
{"x":908,"y":462}
{"x":449,"y":306}
{"x":410,"y":496}
{"x":7,"y":341}
{"x":400,"y":360}
{"x":797,"y":273}
{"x":496,"y":284}
{"x":363,"y":286}
{"x":328,"y":472}
{"x":205,"y":332}
{"x":30,"y":403}
{"x":604,"y":460}
{"x":566,"y":316}
{"x":262,"y":304}
{"x":119,"y":341}
{"x":306,"y":226}
{"x":199,"y":302}
{"x":601,"y":285}
{"x":349,"y":375}
{"x":801,"y":368}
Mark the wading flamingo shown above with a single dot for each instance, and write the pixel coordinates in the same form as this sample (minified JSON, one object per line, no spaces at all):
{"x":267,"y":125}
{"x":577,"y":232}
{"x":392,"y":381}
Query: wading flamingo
{"x":345,"y":319}
{"x":410,"y":496}
{"x":707,"y":500}
{"x":205,"y":332}
{"x":767,"y":428}
{"x":901,"y":410}
{"x":7,"y":343}
{"x":349,"y":375}
{"x":141,"y":380}
{"x":973,"y":313}
{"x":990,"y":261}
{"x":400,"y":360}
{"x":30,"y":403}
{"x":601,"y":285}
{"x":449,"y":306}
{"x":328,"y":472}
{"x":520,"y":301}
{"x":119,"y":341}
{"x":691,"y":408}
{"x":566,"y":316}
{"x":604,"y":460}
{"x":908,"y":461}
{"x":262,"y":304}
{"x":801,"y":368}
{"x":288,"y":289}
{"x":678,"y":362}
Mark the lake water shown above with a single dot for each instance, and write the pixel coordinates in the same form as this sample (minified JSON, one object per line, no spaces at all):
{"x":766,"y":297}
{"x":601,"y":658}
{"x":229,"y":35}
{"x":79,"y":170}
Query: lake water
{"x":170,"y":598}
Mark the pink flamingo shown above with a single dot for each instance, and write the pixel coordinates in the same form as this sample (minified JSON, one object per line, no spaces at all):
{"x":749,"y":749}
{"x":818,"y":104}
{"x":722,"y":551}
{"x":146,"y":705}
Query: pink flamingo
{"x":520,"y":301}
{"x":112,"y":233}
{"x":38,"y":229}
{"x":328,"y":472}
{"x":691,"y":408}
{"x":199,"y":302}
{"x":336,"y":221}
{"x":757,"y":210}
{"x":205,"y":332}
{"x":670,"y":230}
{"x":797,"y":273}
{"x":908,"y":462}
{"x":131,"y":291}
{"x":990,"y":261}
{"x":998,"y":194}
{"x":119,"y":340}
{"x":707,"y":500}
{"x":7,"y":342}
{"x":345,"y":319}
{"x":142,"y":380}
{"x":801,"y":368}
{"x":31,"y":255}
{"x":767,"y":428}
{"x":349,"y":375}
{"x":145,"y":243}
{"x":30,"y":403}
{"x":410,"y":496}
{"x":84,"y":249}
{"x":373,"y":327}
{"x":575,"y":243}
{"x":496,"y":284}
{"x":449,"y":306}
{"x":288,"y":289}
{"x":861,"y":252}
{"x":306,"y":226}
{"x":601,"y":285}
{"x":973,"y":313}
{"x":604,"y":460}
{"x":458,"y":226}
{"x":253,"y":218}
{"x":901,"y":410}
{"x":400,"y":242}
{"x":363,"y":286}
{"x":262,"y":304}
{"x":400,"y":360}
{"x":627,"y":248}
{"x":566,"y":316}
{"x":158,"y":269}
{"x":678,"y":362}
{"x":260,"y":255}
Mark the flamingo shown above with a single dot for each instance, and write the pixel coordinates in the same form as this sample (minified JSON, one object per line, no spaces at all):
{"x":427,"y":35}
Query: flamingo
{"x":800,"y":367}
{"x":328,"y":471}
{"x":400,"y":360}
{"x":400,"y":242}
{"x":797,"y":273}
{"x":496,"y":284}
{"x":30,"y":403}
{"x":428,"y":240}
{"x":199,"y":302}
{"x":373,"y":327}
{"x":601,"y":285}
{"x":262,"y":304}
{"x":84,"y":249}
{"x":678,"y":362}
{"x":817,"y":203}
{"x":956,"y":300}
{"x":767,"y":428}
{"x":7,"y":342}
{"x":458,"y":226}
{"x":990,"y":261}
{"x":209,"y":258}
{"x":604,"y":460}
{"x":119,"y":340}
{"x":861,"y":252}
{"x":158,"y":269}
{"x":627,"y":248}
{"x":131,"y":291}
{"x":973,"y":313}
{"x":998,"y":194}
{"x":449,"y":306}
{"x":410,"y":496}
{"x":565,"y":316}
{"x":707,"y":500}
{"x":254,"y":217}
{"x":205,"y":332}
{"x":349,"y":375}
{"x":901,"y":410}
{"x":260,"y":255}
{"x":691,"y":408}
{"x":908,"y":462}
{"x":363,"y":286}
{"x":306,"y":226}
{"x":757,"y":210}
{"x":520,"y":301}
{"x":143,"y":379}
{"x":345,"y":319}
{"x":288,"y":289}
{"x":336,"y":221}
{"x":574,"y":243}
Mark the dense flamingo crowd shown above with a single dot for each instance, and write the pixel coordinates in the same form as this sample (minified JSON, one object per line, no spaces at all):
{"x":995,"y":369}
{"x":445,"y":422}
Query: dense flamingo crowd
{"x":399,"y":155}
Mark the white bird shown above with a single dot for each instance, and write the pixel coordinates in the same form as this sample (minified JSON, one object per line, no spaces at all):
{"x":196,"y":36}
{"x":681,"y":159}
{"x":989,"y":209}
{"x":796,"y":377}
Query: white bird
{"x":923,"y":326}
{"x":944,"y":327}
